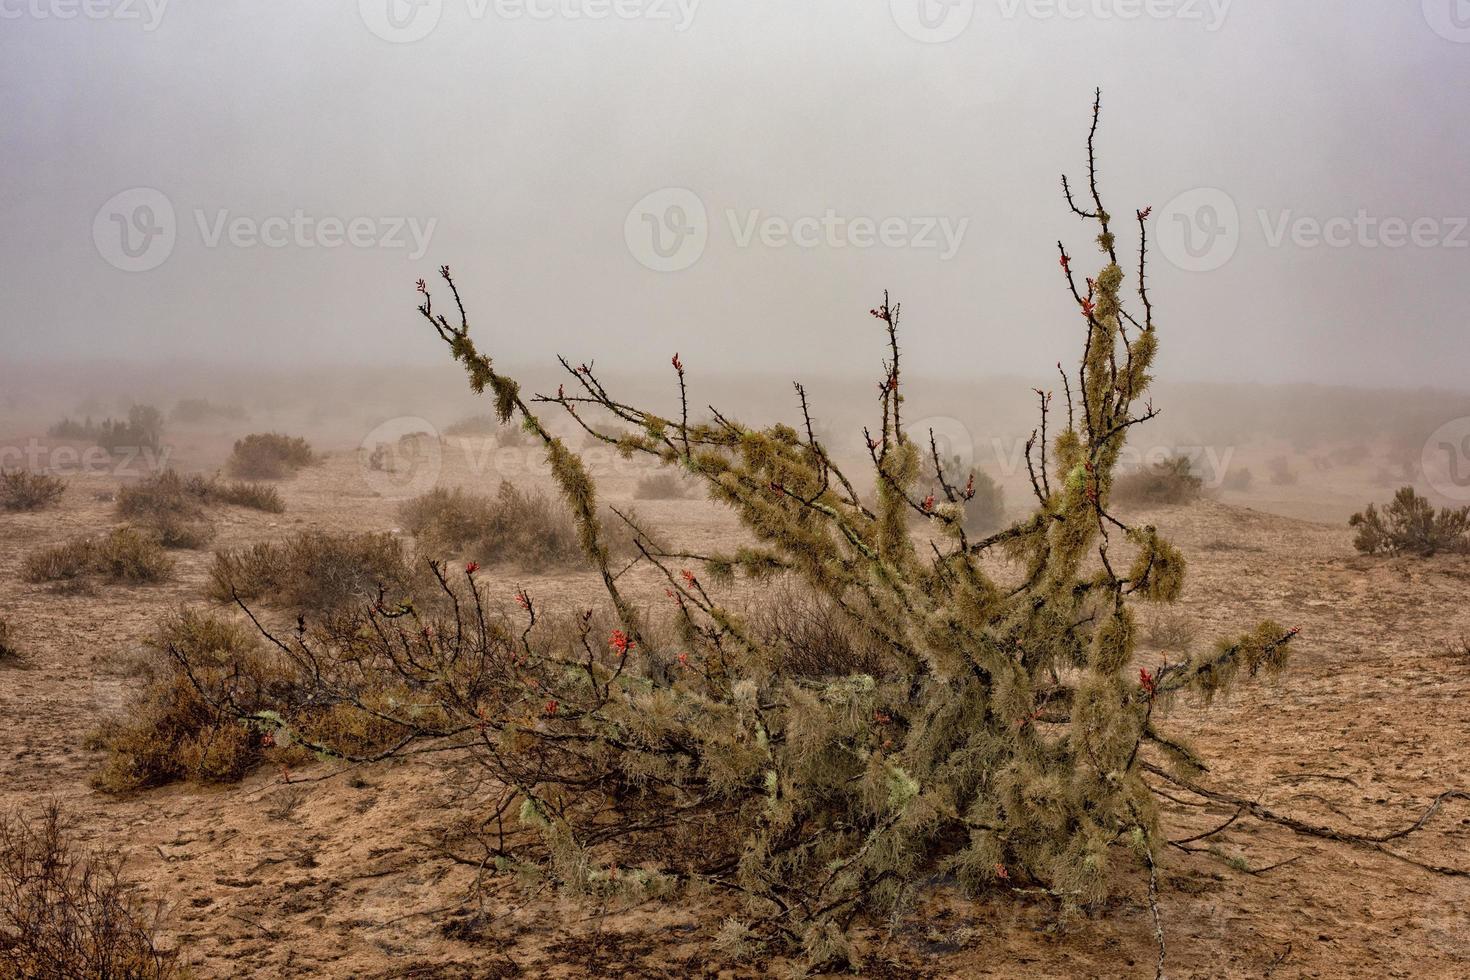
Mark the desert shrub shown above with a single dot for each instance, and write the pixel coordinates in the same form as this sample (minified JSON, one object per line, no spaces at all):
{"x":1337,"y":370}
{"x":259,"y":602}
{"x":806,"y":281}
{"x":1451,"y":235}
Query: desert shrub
{"x":1409,"y":524}
{"x":269,"y":456}
{"x":173,"y":506}
{"x":143,"y":430}
{"x":1353,"y":454}
{"x":314,"y":570}
{"x":10,"y":655}
{"x":515,"y":526}
{"x":196,"y":411}
{"x":661,"y":486}
{"x":1001,"y":742}
{"x":1280,"y":471}
{"x":124,"y":555}
{"x":813,"y":637}
{"x":984,"y":500}
{"x":67,"y":911}
{"x":69,"y":428}
{"x":253,"y":496}
{"x":22,"y":490}
{"x":1169,"y":481}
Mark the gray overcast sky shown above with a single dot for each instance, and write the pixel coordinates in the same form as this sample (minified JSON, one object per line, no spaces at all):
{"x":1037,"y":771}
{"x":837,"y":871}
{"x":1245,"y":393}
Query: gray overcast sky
{"x":737,"y":181}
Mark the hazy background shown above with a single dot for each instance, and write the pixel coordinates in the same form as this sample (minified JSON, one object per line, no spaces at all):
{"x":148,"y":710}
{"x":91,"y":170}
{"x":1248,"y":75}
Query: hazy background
{"x":527,"y":141}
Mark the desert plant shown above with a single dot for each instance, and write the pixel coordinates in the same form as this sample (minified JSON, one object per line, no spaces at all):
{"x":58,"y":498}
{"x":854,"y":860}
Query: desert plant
{"x":70,"y":912}
{"x":314,"y":570}
{"x":123,"y":555}
{"x":1408,"y":524}
{"x":269,"y":456}
{"x":23,"y":490}
{"x":1280,"y":471}
{"x":1003,"y":739}
{"x":514,"y":527}
{"x":69,"y":428}
{"x":985,"y":503}
{"x":1237,"y":479}
{"x":661,"y":486}
{"x":10,"y":655}
{"x":143,"y":430}
{"x":173,"y":506}
{"x":473,"y":425}
{"x":1169,"y":481}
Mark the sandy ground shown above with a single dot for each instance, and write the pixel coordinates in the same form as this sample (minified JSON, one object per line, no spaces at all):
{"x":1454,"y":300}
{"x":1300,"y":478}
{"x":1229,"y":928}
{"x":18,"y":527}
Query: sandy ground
{"x":325,"y":872}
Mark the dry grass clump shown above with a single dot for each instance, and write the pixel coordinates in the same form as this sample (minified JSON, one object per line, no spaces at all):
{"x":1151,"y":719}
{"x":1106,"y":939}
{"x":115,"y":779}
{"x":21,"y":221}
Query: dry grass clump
{"x":814,"y":638}
{"x":23,"y":490}
{"x":172,"y":506}
{"x":123,"y":555}
{"x":1409,"y":525}
{"x":67,"y":911}
{"x":662,"y":485}
{"x":171,"y":731}
{"x":269,"y":456}
{"x":1170,"y":481}
{"x":315,"y":570}
{"x":10,"y":655}
{"x":526,"y":529}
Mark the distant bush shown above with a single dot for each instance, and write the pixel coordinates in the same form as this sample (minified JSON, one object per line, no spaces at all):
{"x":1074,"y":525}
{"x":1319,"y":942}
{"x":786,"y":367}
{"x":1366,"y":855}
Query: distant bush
{"x":269,"y":456}
{"x":143,"y":430}
{"x":814,"y":637}
{"x":315,"y":570}
{"x":194,"y":411}
{"x":21,"y":490}
{"x":1238,"y":480}
{"x":1280,"y":471}
{"x":473,"y":425}
{"x":172,"y":506}
{"x":69,"y":428}
{"x":1352,"y":454}
{"x":662,"y":485}
{"x":1170,"y":481}
{"x":1409,"y":525}
{"x":124,"y":555}
{"x":69,"y":912}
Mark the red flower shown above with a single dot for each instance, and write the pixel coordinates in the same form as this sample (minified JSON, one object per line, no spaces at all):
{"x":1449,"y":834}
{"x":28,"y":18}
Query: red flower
{"x":929,"y":503}
{"x":881,"y":717}
{"x":678,"y":364}
{"x":1001,"y":872}
{"x":970,"y":487}
{"x":1066,"y":261}
{"x":683,"y":659}
{"x":1143,"y":215}
{"x":472,"y":568}
{"x":551,"y":707}
{"x":620,"y":642}
{"x":523,"y":600}
{"x":267,"y":741}
{"x":1146,"y":681}
{"x":423,"y":287}
{"x":1087,"y":307}
{"x":688,"y":577}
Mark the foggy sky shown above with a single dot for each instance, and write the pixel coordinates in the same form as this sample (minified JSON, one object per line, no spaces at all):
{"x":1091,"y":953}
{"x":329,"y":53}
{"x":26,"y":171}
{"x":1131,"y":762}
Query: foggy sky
{"x":525,"y":141}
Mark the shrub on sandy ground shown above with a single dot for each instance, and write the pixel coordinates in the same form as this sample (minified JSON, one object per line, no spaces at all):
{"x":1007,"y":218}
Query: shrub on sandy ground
{"x":269,"y":456}
{"x":22,"y":490}
{"x":173,"y":506}
{"x":516,"y":527}
{"x":984,"y":500}
{"x":1408,"y":524}
{"x":143,"y":430}
{"x":814,"y":638}
{"x":661,"y":486}
{"x":10,"y":655}
{"x":1238,"y":479}
{"x":68,"y":912}
{"x":123,"y":555}
{"x":1169,"y":481}
{"x":1280,"y":471}
{"x":315,"y":570}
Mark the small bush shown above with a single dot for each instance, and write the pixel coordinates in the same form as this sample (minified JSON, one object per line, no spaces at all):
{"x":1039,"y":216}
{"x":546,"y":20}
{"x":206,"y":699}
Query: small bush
{"x":1280,"y":472}
{"x":10,"y":655}
{"x":315,"y":570}
{"x":1168,"y":482}
{"x":1238,"y":480}
{"x":1409,"y":525}
{"x":69,"y":428}
{"x":515,"y":527}
{"x":69,"y":912}
{"x":172,"y":506}
{"x":815,"y":638}
{"x":21,"y":490}
{"x":142,"y":430}
{"x":254,"y":496}
{"x":662,"y":485}
{"x":269,"y":456}
{"x":122,"y":555}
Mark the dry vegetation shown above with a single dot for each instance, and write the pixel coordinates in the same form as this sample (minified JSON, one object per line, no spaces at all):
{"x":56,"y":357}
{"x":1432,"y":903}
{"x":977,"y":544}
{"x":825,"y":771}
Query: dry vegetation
{"x":269,"y":456}
{"x":22,"y":490}
{"x":315,"y":571}
{"x":124,"y":555}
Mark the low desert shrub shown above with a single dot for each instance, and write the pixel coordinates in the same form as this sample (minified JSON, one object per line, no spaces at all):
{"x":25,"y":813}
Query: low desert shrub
{"x":269,"y":456}
{"x":514,"y":527}
{"x":173,"y":506}
{"x":123,"y":555}
{"x":1280,"y":471}
{"x":1409,"y":524}
{"x":315,"y":570}
{"x":143,"y":430}
{"x":661,"y":486}
{"x":812,"y":637}
{"x":1237,"y":479}
{"x":23,"y":490}
{"x":68,"y":911}
{"x":1169,"y":481}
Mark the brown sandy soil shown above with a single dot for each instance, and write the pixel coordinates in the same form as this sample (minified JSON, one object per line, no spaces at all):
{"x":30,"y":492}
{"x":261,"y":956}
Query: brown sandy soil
{"x":325,"y":871}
